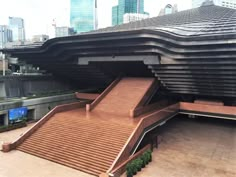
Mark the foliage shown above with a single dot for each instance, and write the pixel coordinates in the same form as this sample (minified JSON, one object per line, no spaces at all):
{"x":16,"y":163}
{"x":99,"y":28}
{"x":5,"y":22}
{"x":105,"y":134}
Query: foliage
{"x":133,"y":167}
{"x":12,"y":126}
{"x":129,"y":171}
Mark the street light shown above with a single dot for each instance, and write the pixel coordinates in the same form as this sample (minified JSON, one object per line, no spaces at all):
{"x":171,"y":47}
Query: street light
{"x":1,"y":54}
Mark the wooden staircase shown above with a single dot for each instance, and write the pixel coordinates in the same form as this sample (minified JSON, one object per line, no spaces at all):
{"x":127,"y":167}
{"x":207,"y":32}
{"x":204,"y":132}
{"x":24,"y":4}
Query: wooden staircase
{"x":90,"y":141}
{"x":70,"y":138}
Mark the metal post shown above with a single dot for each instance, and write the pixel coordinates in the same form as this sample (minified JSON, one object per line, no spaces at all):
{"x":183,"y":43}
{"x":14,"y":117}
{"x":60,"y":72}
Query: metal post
{"x":3,"y":65}
{"x":1,"y":54}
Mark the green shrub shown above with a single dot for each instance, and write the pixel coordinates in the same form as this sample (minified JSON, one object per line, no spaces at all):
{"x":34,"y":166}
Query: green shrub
{"x":146,"y":157}
{"x":143,"y":160}
{"x":139,"y":163}
{"x":134,"y":167}
{"x":149,"y":152}
{"x":129,"y":171}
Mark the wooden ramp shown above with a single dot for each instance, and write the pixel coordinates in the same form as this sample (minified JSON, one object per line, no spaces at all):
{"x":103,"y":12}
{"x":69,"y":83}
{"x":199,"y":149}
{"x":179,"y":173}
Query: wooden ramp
{"x":91,"y":141}
{"x":125,"y":96}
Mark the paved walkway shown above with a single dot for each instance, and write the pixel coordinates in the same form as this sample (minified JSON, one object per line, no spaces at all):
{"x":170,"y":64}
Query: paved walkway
{"x":19,"y":164}
{"x":195,"y":148}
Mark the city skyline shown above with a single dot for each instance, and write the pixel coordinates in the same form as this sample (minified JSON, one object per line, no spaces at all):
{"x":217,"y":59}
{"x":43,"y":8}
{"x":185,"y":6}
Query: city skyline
{"x":124,"y":7}
{"x":39,"y":15}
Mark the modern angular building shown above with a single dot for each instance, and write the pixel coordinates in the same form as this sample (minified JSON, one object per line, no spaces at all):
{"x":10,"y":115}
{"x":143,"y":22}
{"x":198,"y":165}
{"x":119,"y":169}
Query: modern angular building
{"x":17,"y":26}
{"x":83,"y":15}
{"x":5,"y":35}
{"x":149,"y":71}
{"x":223,"y":3}
{"x":126,"y":6}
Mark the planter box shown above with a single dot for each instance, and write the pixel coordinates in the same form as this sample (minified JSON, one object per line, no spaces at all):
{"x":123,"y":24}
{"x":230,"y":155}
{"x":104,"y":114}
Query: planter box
{"x":12,"y":127}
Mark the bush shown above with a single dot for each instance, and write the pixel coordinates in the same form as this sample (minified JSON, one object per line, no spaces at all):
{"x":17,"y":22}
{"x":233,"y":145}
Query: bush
{"x":12,"y":126}
{"x":146,"y":157}
{"x":149,"y":152}
{"x":129,"y":171}
{"x":143,"y":161}
{"x":134,"y":167}
{"x":139,"y":163}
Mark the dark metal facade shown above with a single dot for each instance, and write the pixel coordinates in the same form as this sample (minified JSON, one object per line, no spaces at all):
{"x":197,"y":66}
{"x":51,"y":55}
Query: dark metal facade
{"x":196,"y":50}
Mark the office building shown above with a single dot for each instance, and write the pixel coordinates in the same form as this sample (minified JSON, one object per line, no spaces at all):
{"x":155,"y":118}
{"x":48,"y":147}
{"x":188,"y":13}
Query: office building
{"x":5,"y":35}
{"x":223,"y":3}
{"x":130,"y":17}
{"x":169,"y":9}
{"x":64,"y":31}
{"x":124,"y":7}
{"x":83,"y":15}
{"x":16,"y":24}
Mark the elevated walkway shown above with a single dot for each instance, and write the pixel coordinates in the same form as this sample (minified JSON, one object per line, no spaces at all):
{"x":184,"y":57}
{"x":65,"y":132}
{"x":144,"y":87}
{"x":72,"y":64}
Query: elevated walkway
{"x":125,"y":96}
{"x":98,"y":140}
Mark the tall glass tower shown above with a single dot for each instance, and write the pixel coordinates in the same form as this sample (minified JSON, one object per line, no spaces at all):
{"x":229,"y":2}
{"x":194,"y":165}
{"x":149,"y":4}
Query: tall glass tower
{"x":16,"y":24}
{"x":126,"y":6}
{"x":83,"y":15}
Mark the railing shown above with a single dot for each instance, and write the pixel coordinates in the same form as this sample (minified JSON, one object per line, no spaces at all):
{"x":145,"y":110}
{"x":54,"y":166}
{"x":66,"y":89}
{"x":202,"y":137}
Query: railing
{"x":145,"y":109}
{"x":145,"y":122}
{"x":6,"y":147}
{"x":216,"y":110}
{"x":90,"y":107}
{"x":86,"y":96}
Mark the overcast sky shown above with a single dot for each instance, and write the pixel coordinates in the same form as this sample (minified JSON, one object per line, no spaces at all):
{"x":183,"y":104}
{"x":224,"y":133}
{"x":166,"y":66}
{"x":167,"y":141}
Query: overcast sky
{"x":39,"y":14}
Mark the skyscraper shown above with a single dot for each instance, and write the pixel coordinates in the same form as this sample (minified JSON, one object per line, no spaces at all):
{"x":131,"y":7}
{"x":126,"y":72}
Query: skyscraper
{"x":83,"y":15}
{"x":17,"y":26}
{"x":126,"y":6}
{"x":5,"y":35}
{"x":223,"y":3}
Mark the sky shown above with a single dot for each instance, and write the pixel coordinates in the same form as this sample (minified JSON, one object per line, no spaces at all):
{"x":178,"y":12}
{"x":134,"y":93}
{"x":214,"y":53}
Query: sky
{"x":39,"y":14}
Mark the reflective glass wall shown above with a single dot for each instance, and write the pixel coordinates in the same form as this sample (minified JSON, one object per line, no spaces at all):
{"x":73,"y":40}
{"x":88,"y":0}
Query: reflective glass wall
{"x":82,"y":15}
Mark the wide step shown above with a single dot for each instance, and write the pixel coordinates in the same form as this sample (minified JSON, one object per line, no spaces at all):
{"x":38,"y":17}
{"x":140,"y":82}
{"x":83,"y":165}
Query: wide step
{"x":88,"y":144}
{"x":90,"y":141}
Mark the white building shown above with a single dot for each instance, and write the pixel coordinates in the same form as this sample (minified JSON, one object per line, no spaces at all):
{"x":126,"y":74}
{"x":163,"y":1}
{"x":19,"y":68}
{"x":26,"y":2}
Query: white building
{"x":223,"y":3}
{"x":40,"y":38}
{"x":130,"y":17}
{"x":64,"y":31}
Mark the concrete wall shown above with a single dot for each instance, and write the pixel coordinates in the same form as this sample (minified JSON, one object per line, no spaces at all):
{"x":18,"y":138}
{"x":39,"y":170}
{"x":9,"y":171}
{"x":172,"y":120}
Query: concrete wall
{"x":38,"y":106}
{"x":22,"y":86}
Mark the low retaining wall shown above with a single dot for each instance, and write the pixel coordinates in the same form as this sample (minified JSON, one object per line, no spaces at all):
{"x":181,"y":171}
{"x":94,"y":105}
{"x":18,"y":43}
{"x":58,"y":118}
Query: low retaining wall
{"x":6,"y":147}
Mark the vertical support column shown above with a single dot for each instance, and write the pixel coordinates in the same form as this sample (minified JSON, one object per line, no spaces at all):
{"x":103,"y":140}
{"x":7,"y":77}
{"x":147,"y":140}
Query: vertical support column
{"x":6,"y":120}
